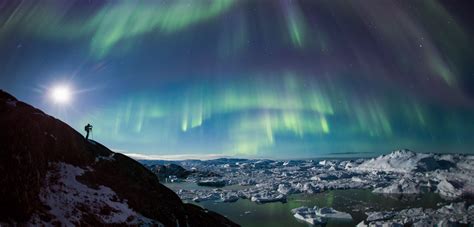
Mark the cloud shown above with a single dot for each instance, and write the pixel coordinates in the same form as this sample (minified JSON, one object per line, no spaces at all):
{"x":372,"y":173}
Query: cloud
{"x":138,"y":156}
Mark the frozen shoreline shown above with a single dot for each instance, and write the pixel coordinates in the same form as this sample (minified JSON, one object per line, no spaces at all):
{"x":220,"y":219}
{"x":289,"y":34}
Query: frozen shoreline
{"x":398,"y":173}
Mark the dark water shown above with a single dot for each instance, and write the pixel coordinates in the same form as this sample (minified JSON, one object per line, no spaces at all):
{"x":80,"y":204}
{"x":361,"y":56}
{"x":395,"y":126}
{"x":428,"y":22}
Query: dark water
{"x":355,"y":202}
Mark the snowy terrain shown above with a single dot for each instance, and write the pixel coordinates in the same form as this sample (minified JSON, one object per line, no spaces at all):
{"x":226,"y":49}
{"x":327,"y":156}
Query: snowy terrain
{"x":69,"y":200}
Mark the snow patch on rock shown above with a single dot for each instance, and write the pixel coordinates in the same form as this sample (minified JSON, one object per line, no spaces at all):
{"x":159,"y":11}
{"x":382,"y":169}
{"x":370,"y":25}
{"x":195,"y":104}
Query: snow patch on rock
{"x":69,"y":200}
{"x":105,"y":158}
{"x":11,"y":103}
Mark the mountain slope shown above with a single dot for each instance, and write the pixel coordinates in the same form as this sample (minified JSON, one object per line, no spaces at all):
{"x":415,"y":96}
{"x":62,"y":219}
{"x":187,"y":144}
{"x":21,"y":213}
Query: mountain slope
{"x":401,"y":161}
{"x":51,"y":174}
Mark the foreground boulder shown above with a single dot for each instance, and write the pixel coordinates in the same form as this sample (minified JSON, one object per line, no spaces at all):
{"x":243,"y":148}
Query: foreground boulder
{"x":49,"y":174}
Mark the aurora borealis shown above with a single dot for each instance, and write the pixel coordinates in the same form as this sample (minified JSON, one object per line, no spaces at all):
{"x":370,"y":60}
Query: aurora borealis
{"x":252,"y":78}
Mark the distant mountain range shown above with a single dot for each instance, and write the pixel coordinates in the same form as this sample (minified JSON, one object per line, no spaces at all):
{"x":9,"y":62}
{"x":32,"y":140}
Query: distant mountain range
{"x":49,"y":174}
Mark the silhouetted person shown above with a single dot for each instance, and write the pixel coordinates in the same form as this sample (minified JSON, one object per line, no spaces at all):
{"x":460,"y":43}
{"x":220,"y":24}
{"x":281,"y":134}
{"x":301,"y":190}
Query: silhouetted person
{"x":88,"y":129}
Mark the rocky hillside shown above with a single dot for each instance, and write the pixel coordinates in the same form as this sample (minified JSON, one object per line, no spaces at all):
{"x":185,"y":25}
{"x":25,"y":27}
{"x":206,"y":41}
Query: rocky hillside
{"x":51,"y":175}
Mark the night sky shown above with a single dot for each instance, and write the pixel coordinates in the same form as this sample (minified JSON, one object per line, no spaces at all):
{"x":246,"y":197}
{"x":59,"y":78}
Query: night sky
{"x":261,"y":78}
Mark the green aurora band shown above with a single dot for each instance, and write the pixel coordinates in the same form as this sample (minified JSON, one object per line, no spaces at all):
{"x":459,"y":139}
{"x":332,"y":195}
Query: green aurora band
{"x":279,"y":83}
{"x":253,"y":118}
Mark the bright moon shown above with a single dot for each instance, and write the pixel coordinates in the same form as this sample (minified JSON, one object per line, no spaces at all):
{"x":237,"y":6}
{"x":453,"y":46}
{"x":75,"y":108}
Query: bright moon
{"x":61,"y":94}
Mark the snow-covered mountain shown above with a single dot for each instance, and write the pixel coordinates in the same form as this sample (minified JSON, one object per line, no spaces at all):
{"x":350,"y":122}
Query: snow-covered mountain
{"x":451,"y":175}
{"x":401,"y":161}
{"x":406,"y":161}
{"x":51,"y":175}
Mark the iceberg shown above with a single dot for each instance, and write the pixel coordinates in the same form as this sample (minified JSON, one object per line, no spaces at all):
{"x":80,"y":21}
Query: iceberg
{"x":307,"y":215}
{"x":405,"y":185}
{"x":268,"y":198}
{"x":327,"y":212}
{"x":317,"y":215}
{"x":454,"y":214}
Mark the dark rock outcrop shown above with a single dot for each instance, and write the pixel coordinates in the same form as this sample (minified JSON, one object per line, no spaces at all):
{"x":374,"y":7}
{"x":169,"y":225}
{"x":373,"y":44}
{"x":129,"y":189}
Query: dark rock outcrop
{"x":431,"y":164}
{"x":164,"y":171}
{"x":32,"y":141}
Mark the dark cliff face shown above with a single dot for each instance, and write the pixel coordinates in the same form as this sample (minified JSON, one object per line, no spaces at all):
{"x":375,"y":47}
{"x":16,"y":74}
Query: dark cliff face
{"x":30,"y":141}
